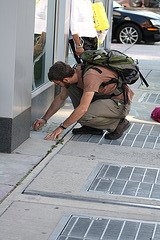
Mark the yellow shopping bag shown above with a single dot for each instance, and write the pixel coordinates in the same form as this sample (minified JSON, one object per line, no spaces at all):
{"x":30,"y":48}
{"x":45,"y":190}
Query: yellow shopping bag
{"x":99,"y":16}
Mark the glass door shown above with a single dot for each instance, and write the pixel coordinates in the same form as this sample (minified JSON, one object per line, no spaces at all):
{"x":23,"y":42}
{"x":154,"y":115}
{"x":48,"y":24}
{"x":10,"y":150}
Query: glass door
{"x":44,"y":32}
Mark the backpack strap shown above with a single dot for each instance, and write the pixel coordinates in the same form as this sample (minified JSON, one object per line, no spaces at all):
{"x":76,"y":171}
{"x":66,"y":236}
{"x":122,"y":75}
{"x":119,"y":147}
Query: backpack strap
{"x":97,"y":69}
{"x":86,"y":67}
{"x":117,"y":91}
{"x":143,"y":79}
{"x":103,"y":84}
{"x":113,"y":80}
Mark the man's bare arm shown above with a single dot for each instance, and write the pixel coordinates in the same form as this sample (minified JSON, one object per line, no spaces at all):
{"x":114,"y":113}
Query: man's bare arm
{"x":80,"y":110}
{"x":74,"y":117}
{"x":79,"y":49}
{"x":56,"y":104}
{"x":54,"y":107}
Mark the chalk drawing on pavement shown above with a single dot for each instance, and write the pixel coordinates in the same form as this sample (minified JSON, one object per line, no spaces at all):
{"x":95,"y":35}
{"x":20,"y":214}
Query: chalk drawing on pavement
{"x":3,"y":175}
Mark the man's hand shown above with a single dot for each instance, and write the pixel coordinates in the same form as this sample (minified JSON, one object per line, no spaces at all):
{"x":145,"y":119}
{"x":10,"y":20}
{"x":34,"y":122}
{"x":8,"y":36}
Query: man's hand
{"x":79,"y":51}
{"x":37,"y":49}
{"x":55,"y":134}
{"x":77,"y":41}
{"x":38,"y":123}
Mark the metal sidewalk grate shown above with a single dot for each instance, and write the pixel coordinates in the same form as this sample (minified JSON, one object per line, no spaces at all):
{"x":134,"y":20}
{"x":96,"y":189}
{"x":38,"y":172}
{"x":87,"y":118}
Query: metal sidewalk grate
{"x":138,"y":135}
{"x":150,"y":98}
{"x":130,"y":181}
{"x":101,"y":228}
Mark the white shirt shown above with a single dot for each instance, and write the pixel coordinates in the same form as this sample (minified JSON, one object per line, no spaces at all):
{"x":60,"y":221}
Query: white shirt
{"x":40,"y":16}
{"x":81,"y":21}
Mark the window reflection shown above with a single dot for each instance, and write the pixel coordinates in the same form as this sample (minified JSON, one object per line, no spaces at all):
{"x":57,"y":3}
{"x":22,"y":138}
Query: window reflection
{"x":39,"y":43}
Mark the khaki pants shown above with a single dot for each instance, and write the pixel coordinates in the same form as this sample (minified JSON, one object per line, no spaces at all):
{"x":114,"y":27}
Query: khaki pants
{"x":102,"y":113}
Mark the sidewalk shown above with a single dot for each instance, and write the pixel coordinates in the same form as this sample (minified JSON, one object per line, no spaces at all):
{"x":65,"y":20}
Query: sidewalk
{"x":87,"y":187}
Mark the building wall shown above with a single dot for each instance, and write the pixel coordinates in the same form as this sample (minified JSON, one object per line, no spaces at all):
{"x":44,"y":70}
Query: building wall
{"x":16,"y":56}
{"x":16,"y":27}
{"x":18,"y":102}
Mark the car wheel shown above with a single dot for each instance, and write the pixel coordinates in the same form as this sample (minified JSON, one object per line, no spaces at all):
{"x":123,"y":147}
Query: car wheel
{"x":146,"y":3}
{"x":134,"y":3}
{"x":129,"y":33}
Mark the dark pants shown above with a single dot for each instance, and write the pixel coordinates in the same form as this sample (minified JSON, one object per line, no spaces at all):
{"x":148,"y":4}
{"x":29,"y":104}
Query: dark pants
{"x":89,"y":44}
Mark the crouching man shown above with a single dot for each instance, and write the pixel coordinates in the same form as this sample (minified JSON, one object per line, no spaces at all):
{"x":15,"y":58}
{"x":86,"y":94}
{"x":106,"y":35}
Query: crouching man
{"x":97,"y":106}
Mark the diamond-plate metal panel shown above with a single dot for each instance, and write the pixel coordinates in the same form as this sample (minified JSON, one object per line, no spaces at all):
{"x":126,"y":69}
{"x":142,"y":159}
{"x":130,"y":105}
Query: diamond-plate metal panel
{"x":131,"y":181}
{"x":138,"y":135}
{"x":88,"y":227}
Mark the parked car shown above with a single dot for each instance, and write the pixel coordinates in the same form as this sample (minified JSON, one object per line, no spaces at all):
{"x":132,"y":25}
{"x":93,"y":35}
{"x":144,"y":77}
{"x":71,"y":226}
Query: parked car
{"x":134,"y":26}
{"x":147,"y":3}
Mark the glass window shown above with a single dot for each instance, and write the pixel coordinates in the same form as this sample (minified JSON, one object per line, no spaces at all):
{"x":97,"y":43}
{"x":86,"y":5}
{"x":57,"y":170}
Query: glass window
{"x":40,"y":33}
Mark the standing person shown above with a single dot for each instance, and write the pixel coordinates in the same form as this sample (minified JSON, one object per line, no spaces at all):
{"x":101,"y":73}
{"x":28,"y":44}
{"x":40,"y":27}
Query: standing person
{"x":83,"y":35}
{"x":40,"y":26}
{"x":94,"y":114}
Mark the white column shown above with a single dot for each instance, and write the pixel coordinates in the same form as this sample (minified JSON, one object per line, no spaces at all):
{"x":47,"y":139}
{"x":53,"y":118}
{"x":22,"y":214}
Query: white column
{"x":16,"y":58}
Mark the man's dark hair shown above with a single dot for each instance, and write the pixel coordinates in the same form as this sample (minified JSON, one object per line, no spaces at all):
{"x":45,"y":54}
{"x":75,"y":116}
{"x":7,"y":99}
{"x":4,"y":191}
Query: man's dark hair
{"x":59,"y":71}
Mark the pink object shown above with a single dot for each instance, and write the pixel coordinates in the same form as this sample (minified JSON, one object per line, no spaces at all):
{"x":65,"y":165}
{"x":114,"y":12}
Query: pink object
{"x":156,"y":114}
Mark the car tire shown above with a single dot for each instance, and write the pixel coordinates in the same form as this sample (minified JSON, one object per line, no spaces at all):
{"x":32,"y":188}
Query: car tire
{"x":146,"y":3}
{"x":129,"y":33}
{"x":133,"y":3}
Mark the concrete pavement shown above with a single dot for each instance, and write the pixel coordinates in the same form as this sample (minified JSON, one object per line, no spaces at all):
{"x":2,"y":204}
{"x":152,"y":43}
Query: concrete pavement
{"x":87,"y":187}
